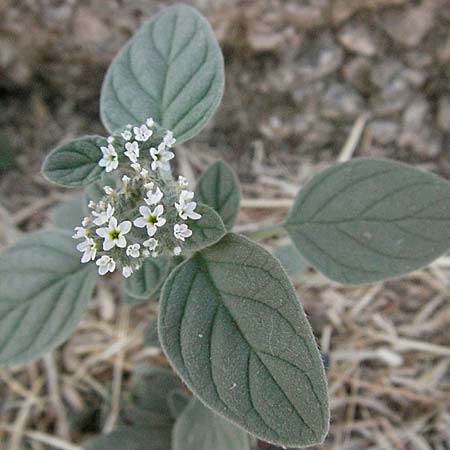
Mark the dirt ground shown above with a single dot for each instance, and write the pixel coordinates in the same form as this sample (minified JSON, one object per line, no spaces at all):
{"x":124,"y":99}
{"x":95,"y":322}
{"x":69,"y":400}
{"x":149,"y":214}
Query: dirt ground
{"x":309,"y":82}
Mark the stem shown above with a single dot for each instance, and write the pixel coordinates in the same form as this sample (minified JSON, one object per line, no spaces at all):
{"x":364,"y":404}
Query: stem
{"x":266,"y":232}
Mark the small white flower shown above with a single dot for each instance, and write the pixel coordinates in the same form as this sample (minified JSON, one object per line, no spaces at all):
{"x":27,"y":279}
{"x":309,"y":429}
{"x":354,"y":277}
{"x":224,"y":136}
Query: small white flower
{"x":185,"y":207}
{"x":114,"y":234}
{"x":86,"y":221}
{"x":177,"y":250}
{"x":153,"y":198}
{"x":127,"y":135}
{"x":110,"y":139}
{"x":132,"y":151}
{"x":103,"y":216}
{"x":89,"y":250}
{"x":145,"y":253}
{"x":101,"y":205}
{"x":144,"y":174}
{"x":92,"y":204}
{"x":105,"y":264}
{"x":133,"y":250}
{"x":149,"y":186}
{"x":161,"y":158}
{"x":186,"y":196}
{"x":150,"y":122}
{"x":136,"y":166}
{"x":108,"y":190}
{"x":110,"y":159}
{"x":129,"y":127}
{"x":127,"y":271}
{"x":142,"y":133}
{"x":150,"y":219}
{"x":151,"y":244}
{"x":169,"y":140}
{"x":182,"y":182}
{"x":182,"y":231}
{"x":80,"y":233}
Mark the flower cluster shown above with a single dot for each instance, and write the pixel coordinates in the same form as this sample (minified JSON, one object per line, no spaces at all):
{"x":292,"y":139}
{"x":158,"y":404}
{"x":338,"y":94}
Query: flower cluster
{"x":147,"y":213}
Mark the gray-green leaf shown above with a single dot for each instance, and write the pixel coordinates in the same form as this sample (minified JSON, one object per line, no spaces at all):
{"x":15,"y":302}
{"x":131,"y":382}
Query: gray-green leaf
{"x":44,"y":290}
{"x":233,"y":328}
{"x":132,"y":438}
{"x":218,"y":187}
{"x":205,"y":231}
{"x":171,"y":70}
{"x":198,"y":428}
{"x":75,"y":163}
{"x":291,"y":260}
{"x":69,"y":213}
{"x":369,"y":220}
{"x":151,"y":338}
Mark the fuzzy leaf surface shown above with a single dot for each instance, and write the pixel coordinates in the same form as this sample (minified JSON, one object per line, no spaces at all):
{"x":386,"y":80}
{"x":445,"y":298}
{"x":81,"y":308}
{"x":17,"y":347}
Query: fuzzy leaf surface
{"x":233,"y":328}
{"x":218,"y":187}
{"x":69,"y":213}
{"x":171,"y":70}
{"x":199,"y":428}
{"x":291,"y":260}
{"x":44,"y":290}
{"x":368,"y":220}
{"x":75,"y":163}
{"x":205,"y":231}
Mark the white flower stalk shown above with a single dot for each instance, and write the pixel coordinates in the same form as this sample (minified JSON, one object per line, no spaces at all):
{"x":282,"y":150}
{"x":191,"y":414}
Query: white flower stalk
{"x":142,"y":133}
{"x":89,"y":250}
{"x":161,"y":158}
{"x":181,"y":231}
{"x":105,"y":264}
{"x":132,"y":151}
{"x":133,"y":250}
{"x":103,"y":217}
{"x":114,"y":234}
{"x":110,"y":159}
{"x":150,"y":219}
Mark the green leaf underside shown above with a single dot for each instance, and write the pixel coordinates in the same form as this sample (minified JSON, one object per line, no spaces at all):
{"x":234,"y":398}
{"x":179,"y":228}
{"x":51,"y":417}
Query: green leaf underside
{"x":171,"y":70}
{"x":198,"y":428}
{"x":132,"y":438}
{"x":69,"y":213}
{"x":291,"y":260}
{"x":218,"y":187}
{"x":44,"y":290}
{"x":205,"y":231}
{"x":233,"y":328}
{"x":145,"y":282}
{"x":177,"y":401}
{"x":75,"y":163}
{"x":369,"y":220}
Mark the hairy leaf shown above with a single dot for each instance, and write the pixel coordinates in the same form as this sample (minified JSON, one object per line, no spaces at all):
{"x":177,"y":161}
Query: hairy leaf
{"x":171,"y":70}
{"x":368,"y":220}
{"x":198,"y":428}
{"x":205,"y":231}
{"x":69,"y":213}
{"x":132,"y":438}
{"x":233,"y":328}
{"x":75,"y":163}
{"x":291,"y":260}
{"x":151,"y":338}
{"x":218,"y":187}
{"x":44,"y":290}
{"x":146,"y":282}
{"x":177,"y":400}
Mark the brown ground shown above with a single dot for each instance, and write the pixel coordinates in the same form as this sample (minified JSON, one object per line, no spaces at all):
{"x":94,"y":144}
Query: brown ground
{"x":301,"y":75}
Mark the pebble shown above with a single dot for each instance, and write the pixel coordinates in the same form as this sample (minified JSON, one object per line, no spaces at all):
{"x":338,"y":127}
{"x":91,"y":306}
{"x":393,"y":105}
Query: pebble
{"x":358,"y":38}
{"x":443,"y":114}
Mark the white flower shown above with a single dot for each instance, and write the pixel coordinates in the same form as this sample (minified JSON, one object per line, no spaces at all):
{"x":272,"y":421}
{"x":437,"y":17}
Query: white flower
{"x":144,"y":174}
{"x":149,"y":186}
{"x":133,"y":250}
{"x":114,"y":234}
{"x":185,"y":207}
{"x":182,"y":231}
{"x":145,"y":253}
{"x":182,"y":182}
{"x":136,"y":166}
{"x":186,"y":196}
{"x":169,"y":140}
{"x":153,"y":198}
{"x":161,"y":158}
{"x":110,"y":140}
{"x":151,"y":244}
{"x":127,"y":271}
{"x":92,"y":204}
{"x":110,"y":159}
{"x":103,"y":216}
{"x":86,"y":221}
{"x":129,"y":127}
{"x":142,"y":133}
{"x":150,"y":219}
{"x":177,"y":250}
{"x":150,"y":122}
{"x":132,"y":151}
{"x":105,"y":264}
{"x":108,"y":190}
{"x":89,"y":250}
{"x":127,"y":135}
{"x":80,"y":233}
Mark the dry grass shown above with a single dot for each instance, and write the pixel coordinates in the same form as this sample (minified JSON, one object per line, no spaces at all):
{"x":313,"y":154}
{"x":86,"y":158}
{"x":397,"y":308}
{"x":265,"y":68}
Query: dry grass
{"x":388,"y":343}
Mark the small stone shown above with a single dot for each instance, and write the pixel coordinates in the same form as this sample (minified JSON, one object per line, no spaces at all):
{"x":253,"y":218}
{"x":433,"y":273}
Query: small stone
{"x":356,"y":37}
{"x":443,"y":114}
{"x":357,"y":71}
{"x":443,"y":52}
{"x":384,"y":131}
{"x":341,"y":102}
{"x":304,"y":17}
{"x":342,"y":10}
